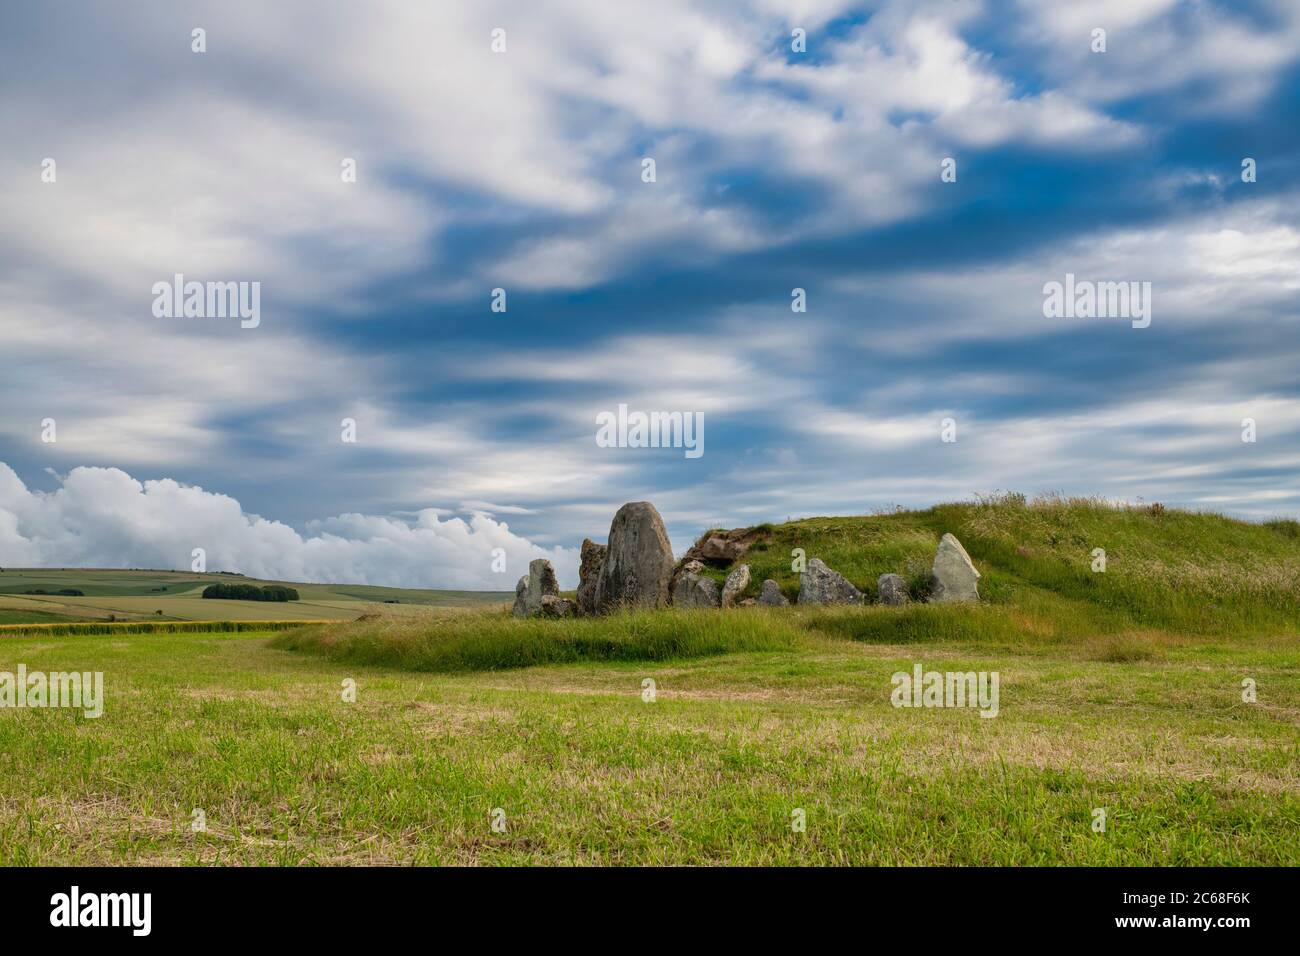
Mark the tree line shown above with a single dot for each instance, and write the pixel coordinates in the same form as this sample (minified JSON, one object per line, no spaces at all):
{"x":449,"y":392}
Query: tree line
{"x":250,"y":592}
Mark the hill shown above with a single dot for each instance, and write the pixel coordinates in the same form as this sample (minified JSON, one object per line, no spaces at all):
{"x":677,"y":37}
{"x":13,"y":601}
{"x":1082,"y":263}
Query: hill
{"x":1168,"y":569}
{"x":132,"y":595}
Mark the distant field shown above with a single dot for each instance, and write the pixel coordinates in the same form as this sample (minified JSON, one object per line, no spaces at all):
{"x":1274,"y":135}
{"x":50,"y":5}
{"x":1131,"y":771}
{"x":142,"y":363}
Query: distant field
{"x":125,"y":595}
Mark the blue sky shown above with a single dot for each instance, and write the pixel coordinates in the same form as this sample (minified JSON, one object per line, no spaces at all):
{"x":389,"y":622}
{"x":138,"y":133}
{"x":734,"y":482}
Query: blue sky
{"x":522,"y":170}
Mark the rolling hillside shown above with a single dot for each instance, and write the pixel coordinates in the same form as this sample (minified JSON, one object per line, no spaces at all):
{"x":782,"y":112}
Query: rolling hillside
{"x":131,"y":595}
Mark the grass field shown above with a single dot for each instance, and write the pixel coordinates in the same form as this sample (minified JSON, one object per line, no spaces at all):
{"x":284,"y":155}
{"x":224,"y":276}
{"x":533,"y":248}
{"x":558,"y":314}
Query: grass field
{"x":126,"y":595}
{"x":1120,"y":692}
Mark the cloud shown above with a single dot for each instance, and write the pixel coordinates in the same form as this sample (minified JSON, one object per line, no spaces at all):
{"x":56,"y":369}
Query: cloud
{"x":102,"y":517}
{"x":522,"y":170}
{"x":1205,"y":57}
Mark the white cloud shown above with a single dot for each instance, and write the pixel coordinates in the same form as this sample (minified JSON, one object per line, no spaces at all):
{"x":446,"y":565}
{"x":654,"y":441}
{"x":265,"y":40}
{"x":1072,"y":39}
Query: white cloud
{"x":102,"y":517}
{"x":1227,"y":61}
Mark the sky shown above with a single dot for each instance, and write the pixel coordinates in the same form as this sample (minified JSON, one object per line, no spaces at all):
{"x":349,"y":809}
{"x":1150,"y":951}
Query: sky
{"x":504,"y":147}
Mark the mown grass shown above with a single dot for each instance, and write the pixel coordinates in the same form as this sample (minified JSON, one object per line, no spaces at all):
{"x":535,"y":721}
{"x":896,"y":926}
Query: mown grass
{"x":587,"y":771}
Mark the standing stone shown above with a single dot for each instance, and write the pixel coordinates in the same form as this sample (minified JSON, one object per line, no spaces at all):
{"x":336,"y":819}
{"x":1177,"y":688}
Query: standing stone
{"x":820,"y":585}
{"x":593,"y":558}
{"x":892,"y":589}
{"x":638,"y":560}
{"x":771,"y":595}
{"x":736,"y":582}
{"x":532,"y":590}
{"x":954,"y":577}
{"x":521,"y":608}
{"x":695,"y":590}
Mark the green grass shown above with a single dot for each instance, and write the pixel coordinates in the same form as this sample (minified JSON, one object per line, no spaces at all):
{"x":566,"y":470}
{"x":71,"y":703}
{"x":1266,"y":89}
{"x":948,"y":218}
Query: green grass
{"x":710,"y":772}
{"x":63,"y":628}
{"x":497,"y":641}
{"x":1120,"y":690}
{"x":1178,"y":570}
{"x":12,"y":616}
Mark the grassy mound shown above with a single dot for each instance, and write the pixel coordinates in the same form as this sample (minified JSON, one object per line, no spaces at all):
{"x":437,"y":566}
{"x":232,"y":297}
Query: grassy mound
{"x":1169,"y":576}
{"x":1176,"y":570}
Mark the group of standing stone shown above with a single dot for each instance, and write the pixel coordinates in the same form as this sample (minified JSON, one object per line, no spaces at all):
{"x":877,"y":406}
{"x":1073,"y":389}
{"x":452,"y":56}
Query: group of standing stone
{"x":636,"y":569}
{"x":632,"y":570}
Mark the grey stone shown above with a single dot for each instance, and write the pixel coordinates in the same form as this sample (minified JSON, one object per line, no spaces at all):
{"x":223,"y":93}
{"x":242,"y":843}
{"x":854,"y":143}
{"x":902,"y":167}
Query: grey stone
{"x":684,"y":566}
{"x":520,"y":608}
{"x":771,"y":595}
{"x":695,"y":590}
{"x":892,"y":589}
{"x":540,"y":583}
{"x":638,"y":560}
{"x":736,"y":582}
{"x":954,"y":577}
{"x":556,"y":606}
{"x":721,"y":548}
{"x":593,"y":558}
{"x":820,"y":585}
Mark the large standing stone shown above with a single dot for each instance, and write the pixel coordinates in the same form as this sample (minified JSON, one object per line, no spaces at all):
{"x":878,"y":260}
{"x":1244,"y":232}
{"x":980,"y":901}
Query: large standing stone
{"x":695,"y":590}
{"x":536,"y":587}
{"x":736,"y":582}
{"x":593,"y":558}
{"x":954,"y":577}
{"x":771,"y":595}
{"x":892,"y":589}
{"x":820,"y":585}
{"x":638,"y":560}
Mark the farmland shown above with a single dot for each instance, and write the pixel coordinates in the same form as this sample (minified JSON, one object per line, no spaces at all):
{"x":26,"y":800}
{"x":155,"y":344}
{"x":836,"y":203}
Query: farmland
{"x":132,"y":595}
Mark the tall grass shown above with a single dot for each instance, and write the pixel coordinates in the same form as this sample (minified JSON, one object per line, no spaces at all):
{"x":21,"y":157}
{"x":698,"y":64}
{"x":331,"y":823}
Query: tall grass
{"x":984,"y":624}
{"x":476,"y":641}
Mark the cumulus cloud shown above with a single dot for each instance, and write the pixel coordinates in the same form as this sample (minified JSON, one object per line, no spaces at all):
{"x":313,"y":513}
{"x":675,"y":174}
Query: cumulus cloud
{"x":102,"y":517}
